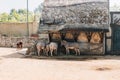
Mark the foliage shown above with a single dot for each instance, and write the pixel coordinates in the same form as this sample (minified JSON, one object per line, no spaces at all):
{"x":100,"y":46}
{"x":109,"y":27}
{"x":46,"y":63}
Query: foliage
{"x":4,"y":17}
{"x":19,"y":15}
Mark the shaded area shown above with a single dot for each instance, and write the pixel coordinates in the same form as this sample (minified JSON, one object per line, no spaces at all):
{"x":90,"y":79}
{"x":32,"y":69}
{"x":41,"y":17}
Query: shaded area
{"x":14,"y":55}
{"x":20,"y":54}
{"x":74,"y":58}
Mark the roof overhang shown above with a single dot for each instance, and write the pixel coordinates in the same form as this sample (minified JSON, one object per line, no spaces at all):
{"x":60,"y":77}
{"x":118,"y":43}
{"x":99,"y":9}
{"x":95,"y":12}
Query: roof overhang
{"x":74,"y":27}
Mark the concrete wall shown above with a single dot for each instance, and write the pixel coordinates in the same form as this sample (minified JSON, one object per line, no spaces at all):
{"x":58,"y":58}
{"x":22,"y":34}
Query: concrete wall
{"x":18,"y":29}
{"x":109,"y":40}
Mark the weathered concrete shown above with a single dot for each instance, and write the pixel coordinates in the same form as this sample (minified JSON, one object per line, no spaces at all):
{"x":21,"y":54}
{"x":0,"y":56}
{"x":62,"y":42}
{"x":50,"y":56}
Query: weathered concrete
{"x":18,"y":29}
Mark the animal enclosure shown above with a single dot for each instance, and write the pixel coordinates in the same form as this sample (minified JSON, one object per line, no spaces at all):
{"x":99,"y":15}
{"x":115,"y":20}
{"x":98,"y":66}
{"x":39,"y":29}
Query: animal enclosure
{"x":89,"y":42}
{"x":84,"y":22}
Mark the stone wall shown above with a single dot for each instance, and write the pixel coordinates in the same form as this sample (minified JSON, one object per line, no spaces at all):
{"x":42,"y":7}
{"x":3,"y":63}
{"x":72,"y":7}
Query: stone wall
{"x":12,"y":41}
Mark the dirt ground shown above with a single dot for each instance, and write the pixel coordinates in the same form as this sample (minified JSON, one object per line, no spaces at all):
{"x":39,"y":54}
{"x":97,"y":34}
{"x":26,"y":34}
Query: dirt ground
{"x":14,"y":66}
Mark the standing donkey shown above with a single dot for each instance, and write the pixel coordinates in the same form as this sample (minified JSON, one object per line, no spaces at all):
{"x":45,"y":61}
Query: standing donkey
{"x":53,"y":47}
{"x":40,"y":47}
{"x":69,"y":45}
{"x":47,"y":49}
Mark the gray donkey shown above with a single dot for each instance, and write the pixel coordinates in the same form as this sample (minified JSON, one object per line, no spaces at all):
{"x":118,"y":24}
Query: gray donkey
{"x":71,"y":45}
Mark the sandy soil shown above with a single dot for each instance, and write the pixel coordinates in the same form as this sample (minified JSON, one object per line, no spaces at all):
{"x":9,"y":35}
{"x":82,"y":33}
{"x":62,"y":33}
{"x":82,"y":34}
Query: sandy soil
{"x":13,"y":66}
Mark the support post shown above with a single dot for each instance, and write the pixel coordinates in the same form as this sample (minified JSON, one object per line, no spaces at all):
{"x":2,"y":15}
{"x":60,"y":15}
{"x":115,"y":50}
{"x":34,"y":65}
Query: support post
{"x":104,"y":43}
{"x":27,"y":20}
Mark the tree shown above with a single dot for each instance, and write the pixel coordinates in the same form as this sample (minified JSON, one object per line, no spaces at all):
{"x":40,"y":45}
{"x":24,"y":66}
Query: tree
{"x":19,"y":15}
{"x":4,"y":17}
{"x":14,"y":15}
{"x":22,"y":11}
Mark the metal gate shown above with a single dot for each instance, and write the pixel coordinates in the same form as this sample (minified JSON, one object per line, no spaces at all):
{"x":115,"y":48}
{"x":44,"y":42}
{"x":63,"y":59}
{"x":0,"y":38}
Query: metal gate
{"x":116,"y":38}
{"x":115,"y":25}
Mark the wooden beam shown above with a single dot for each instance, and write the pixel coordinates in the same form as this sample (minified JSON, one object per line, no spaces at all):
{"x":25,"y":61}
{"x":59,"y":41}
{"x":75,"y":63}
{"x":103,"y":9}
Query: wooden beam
{"x":104,"y":43}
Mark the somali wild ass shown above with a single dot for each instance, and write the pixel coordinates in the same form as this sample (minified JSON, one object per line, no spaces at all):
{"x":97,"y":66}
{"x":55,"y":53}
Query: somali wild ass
{"x":47,"y":49}
{"x":53,"y":47}
{"x":40,"y":47}
{"x":71,"y":45}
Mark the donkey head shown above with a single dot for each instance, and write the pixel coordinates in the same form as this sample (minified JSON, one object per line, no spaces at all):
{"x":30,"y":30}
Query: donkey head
{"x":63,"y":43}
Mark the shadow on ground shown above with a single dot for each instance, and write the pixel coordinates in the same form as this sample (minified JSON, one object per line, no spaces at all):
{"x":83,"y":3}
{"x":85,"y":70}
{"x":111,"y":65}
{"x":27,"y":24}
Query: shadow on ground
{"x":65,"y":57}
{"x":14,"y":55}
